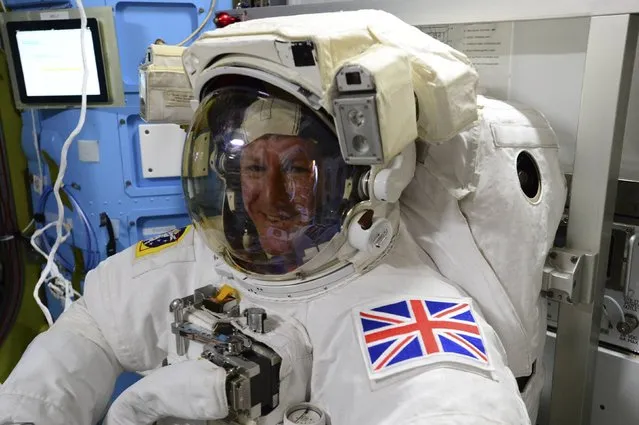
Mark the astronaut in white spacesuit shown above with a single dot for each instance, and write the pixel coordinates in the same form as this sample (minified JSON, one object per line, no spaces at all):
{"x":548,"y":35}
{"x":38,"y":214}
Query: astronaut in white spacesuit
{"x":307,"y":132}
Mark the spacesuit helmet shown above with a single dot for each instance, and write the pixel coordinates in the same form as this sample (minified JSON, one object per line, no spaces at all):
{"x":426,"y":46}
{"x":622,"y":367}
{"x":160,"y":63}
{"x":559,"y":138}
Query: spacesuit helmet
{"x":303,"y":138}
{"x":265,"y":181}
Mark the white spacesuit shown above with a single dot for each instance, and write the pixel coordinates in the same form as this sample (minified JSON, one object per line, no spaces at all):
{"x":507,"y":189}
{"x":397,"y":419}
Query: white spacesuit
{"x":300,"y":259}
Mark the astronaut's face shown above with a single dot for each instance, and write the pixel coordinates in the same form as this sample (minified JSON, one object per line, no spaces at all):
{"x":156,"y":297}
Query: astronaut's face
{"x":278,"y":176}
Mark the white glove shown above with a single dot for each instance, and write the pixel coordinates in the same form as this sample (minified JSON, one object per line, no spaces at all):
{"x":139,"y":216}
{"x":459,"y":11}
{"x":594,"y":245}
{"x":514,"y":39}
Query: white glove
{"x":193,"y":389}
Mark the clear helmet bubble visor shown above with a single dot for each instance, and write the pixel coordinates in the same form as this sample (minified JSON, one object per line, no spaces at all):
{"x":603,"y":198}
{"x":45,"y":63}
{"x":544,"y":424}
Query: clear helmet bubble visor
{"x":264,"y":179}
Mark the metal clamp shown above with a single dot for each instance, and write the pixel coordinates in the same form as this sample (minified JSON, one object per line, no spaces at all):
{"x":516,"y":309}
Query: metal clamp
{"x":178,"y":306}
{"x":563,"y":269}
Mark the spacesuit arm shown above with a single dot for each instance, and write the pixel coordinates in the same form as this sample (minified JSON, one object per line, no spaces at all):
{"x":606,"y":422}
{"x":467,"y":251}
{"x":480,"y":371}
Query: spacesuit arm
{"x":454,"y":393}
{"x":192,"y":389}
{"x":443,"y":365}
{"x":456,"y":418}
{"x":65,"y":376}
{"x":461,"y":397}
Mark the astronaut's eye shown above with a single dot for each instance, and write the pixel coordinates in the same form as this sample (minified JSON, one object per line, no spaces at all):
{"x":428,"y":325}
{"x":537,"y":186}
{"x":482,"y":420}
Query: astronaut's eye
{"x":529,"y":177}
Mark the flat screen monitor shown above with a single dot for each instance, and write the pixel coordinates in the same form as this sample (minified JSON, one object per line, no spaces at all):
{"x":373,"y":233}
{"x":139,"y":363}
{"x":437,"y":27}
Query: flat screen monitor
{"x":47,"y":60}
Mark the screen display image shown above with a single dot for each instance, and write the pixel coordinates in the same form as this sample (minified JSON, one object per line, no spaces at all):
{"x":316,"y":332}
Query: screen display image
{"x":52,"y":62}
{"x":48,"y":65}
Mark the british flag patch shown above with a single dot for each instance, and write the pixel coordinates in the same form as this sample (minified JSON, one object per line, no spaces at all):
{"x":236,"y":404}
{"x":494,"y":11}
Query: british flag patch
{"x":409,"y":333}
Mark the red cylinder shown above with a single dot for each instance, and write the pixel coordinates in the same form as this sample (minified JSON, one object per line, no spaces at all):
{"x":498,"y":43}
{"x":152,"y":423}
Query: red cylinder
{"x":223,"y":19}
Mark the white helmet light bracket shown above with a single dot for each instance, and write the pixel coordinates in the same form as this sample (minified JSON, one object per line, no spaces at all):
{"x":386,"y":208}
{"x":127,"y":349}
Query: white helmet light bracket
{"x":355,"y":112}
{"x":390,"y":182}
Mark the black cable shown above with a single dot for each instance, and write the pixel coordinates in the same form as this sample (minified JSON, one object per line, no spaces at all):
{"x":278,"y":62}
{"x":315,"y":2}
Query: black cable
{"x":12,"y":284}
{"x":105,"y":221}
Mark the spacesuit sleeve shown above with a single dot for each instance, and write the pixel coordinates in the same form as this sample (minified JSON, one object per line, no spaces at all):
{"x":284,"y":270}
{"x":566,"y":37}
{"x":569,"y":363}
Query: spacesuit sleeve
{"x":438,"y":395}
{"x":454,"y":393}
{"x":457,"y":418}
{"x":458,"y":397}
{"x":65,"y":376}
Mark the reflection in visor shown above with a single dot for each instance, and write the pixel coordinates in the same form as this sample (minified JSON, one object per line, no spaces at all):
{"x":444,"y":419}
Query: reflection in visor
{"x":278,"y":175}
{"x":276,"y":189}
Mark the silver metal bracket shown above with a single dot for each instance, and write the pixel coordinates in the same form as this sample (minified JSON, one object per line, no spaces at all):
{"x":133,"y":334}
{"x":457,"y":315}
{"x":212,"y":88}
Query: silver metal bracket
{"x":564,"y":268}
{"x":183,"y":330}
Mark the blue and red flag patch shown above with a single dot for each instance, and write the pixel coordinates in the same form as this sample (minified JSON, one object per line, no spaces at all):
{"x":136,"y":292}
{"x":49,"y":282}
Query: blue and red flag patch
{"x":405,"y":334}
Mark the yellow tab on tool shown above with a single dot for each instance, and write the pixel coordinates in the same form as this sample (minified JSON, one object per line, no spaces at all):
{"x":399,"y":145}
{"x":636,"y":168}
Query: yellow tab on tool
{"x":225,"y":292}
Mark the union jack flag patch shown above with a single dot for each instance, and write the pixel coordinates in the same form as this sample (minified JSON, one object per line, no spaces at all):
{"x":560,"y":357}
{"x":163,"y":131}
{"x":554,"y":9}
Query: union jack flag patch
{"x":409,"y":333}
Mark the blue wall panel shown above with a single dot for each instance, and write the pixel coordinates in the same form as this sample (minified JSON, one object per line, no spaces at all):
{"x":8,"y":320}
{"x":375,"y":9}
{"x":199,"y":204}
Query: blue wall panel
{"x":115,"y":185}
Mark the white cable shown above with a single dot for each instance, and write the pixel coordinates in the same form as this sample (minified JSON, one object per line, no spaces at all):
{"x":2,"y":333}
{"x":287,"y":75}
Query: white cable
{"x":612,"y":300}
{"x":28,"y":226}
{"x":34,"y":237}
{"x":207,"y":18}
{"x":59,"y":290}
{"x":4,"y":8}
{"x":50,"y":267}
{"x":55,"y":272}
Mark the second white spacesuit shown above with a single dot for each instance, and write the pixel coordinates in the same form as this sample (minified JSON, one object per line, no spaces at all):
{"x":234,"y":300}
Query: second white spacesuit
{"x":300,"y":217}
